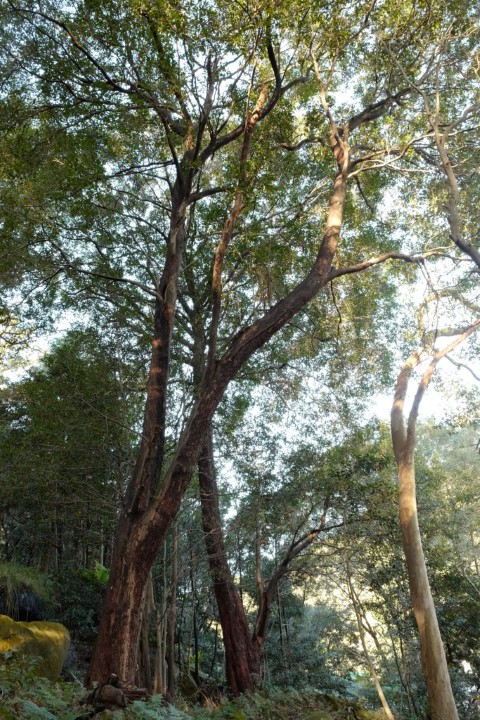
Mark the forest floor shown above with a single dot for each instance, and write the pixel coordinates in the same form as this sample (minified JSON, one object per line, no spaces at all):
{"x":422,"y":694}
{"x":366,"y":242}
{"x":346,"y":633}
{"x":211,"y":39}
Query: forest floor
{"x":23,"y":696}
{"x":276,"y":704}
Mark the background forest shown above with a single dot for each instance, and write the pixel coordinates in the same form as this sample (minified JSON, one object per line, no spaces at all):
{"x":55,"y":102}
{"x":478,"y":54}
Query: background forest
{"x":230,"y":233}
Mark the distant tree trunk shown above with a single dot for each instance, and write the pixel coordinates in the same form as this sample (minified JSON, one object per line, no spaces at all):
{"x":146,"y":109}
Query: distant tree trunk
{"x":361,"y":632}
{"x":404,"y":675}
{"x":160,"y":674}
{"x":215,"y":649}
{"x":170,"y":636}
{"x":243,"y":650}
{"x":434,"y":662}
{"x":194,"y":624}
{"x":144,"y":676}
{"x":242,"y":658}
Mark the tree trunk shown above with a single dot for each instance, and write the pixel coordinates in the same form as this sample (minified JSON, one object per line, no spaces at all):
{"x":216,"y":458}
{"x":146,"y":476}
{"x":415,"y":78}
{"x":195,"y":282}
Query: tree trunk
{"x":243,"y":652}
{"x":118,"y":639}
{"x":170,"y":635}
{"x":117,"y":643}
{"x":434,"y":662}
{"x":242,"y":657}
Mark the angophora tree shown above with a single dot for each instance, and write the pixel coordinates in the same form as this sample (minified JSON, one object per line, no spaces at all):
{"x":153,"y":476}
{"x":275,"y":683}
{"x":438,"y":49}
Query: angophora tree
{"x":140,"y":117}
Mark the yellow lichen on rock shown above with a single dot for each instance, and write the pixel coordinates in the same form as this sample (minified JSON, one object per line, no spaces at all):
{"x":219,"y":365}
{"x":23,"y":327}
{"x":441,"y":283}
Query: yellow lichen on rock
{"x":45,"y":642}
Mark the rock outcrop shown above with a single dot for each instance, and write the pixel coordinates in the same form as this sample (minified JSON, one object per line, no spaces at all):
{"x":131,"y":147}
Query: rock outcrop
{"x":45,"y":642}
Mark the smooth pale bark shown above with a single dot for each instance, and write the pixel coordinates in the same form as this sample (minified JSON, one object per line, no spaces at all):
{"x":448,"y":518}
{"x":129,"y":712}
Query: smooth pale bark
{"x":434,"y":663}
{"x":361,"y":632}
{"x":441,"y":134}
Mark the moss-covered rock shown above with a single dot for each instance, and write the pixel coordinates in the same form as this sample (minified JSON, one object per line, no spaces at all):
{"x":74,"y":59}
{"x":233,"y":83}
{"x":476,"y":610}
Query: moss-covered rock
{"x":45,"y":642}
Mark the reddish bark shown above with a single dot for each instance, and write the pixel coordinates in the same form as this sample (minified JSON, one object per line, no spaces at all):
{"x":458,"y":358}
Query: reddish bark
{"x":243,"y":650}
{"x":143,"y":527}
{"x":117,"y":642}
{"x":242,"y":656}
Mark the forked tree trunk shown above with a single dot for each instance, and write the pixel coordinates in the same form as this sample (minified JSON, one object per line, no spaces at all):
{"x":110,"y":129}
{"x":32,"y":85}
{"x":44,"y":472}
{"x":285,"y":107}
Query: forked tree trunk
{"x":434,"y":663}
{"x":147,"y":514}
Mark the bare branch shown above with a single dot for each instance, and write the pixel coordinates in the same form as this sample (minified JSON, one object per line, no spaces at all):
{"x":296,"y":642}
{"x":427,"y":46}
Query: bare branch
{"x":338,"y":272}
{"x":459,"y":364}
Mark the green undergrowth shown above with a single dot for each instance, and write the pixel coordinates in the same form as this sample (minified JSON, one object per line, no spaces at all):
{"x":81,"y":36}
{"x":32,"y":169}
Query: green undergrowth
{"x":286,"y":704}
{"x":23,"y":696}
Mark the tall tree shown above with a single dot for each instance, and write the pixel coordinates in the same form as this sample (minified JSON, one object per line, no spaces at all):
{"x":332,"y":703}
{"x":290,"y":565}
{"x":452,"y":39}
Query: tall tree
{"x":403,"y":437}
{"x":137,"y":115}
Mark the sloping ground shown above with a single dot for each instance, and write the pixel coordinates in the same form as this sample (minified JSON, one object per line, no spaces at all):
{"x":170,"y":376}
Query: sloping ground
{"x":289,"y":704}
{"x":25,"y":696}
{"x":274,"y":704}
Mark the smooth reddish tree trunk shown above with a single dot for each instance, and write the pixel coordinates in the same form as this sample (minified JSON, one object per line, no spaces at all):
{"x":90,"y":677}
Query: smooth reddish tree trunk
{"x":242,"y":656}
